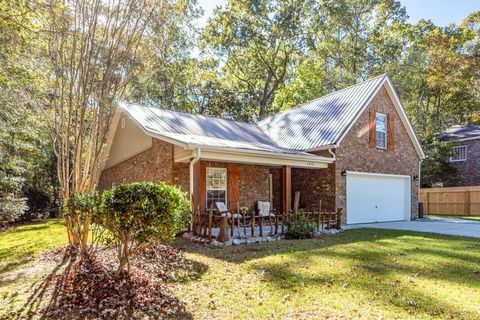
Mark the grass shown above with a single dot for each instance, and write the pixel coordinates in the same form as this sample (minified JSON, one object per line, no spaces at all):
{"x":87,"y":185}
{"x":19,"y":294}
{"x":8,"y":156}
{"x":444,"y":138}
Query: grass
{"x":20,"y":245}
{"x":474,"y":218}
{"x":362,"y":273}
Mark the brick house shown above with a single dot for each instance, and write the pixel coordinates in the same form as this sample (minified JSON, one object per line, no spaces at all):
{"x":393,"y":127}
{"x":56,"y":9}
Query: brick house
{"x":353,"y":149}
{"x":466,"y":154}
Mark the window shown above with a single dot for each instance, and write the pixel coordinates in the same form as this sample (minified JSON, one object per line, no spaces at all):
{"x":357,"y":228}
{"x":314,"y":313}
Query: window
{"x":123,"y":123}
{"x":381,"y":130}
{"x":216,"y":186}
{"x":459,"y":154}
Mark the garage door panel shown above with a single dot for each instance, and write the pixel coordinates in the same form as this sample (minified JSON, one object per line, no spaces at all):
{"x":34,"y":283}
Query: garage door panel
{"x":375,"y":198}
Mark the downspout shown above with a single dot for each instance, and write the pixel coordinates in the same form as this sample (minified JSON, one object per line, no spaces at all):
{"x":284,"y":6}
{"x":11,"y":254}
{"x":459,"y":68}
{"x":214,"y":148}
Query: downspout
{"x":192,"y":164}
{"x":419,"y":182}
{"x":334,"y":157}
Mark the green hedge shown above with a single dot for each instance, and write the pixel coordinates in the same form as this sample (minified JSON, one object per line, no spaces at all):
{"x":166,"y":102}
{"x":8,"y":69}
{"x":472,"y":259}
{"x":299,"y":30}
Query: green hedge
{"x":146,"y":211}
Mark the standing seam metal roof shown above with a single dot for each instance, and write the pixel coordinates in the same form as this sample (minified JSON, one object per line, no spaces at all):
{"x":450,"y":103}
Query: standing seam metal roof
{"x":316,"y":123}
{"x":322,"y":121}
{"x":203,"y":131}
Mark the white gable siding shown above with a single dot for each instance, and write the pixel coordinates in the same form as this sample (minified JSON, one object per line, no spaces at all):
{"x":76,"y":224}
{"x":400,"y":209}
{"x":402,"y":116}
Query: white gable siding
{"x":127,"y":142}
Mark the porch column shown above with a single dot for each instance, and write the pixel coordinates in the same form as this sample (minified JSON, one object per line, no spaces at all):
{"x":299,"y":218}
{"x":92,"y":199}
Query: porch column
{"x":287,"y":188}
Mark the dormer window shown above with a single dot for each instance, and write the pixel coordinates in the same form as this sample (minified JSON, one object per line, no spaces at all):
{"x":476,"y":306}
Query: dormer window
{"x":381,"y":130}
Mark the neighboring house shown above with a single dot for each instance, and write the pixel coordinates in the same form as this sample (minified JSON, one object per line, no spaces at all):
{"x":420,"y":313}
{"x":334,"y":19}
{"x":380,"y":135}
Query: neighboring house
{"x":353,"y":149}
{"x":465,"y":154}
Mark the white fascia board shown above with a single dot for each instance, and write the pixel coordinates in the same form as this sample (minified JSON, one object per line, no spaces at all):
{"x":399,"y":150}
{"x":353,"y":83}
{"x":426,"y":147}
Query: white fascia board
{"x":110,"y":135}
{"x":274,"y":155}
{"x":216,"y":155}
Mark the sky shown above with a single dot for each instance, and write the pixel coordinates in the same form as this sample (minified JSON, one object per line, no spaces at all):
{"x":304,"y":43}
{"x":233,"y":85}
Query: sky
{"x":441,"y":12}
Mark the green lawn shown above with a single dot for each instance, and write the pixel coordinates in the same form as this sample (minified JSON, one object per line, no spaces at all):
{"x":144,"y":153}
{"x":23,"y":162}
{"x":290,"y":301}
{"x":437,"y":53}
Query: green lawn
{"x":18,"y":246}
{"x":365,"y":273}
{"x":362,"y":273}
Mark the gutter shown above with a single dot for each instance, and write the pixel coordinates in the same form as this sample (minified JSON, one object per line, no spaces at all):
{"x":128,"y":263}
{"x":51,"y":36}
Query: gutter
{"x":191,"y":165}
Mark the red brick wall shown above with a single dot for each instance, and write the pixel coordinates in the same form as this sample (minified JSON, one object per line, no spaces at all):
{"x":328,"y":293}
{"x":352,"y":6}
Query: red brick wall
{"x":155,"y":164}
{"x":315,"y":185}
{"x":355,"y":154}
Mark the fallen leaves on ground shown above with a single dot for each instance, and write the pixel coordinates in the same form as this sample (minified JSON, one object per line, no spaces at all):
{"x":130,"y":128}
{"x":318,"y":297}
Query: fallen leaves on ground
{"x":89,"y":288}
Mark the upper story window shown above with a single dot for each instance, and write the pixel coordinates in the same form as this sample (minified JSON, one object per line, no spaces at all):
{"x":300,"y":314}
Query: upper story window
{"x":216,"y":186}
{"x":381,"y":130}
{"x":459,"y":154}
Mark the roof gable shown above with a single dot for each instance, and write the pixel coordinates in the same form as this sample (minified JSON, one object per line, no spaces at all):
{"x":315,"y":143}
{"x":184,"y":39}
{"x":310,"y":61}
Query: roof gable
{"x":324,"y":122}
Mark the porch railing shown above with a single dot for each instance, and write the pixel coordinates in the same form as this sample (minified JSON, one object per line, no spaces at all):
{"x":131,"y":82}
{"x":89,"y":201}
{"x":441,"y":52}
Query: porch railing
{"x":236,"y":223}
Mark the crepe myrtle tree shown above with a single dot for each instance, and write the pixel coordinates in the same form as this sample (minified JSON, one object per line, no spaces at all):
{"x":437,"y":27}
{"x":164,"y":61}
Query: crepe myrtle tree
{"x":140,"y":214}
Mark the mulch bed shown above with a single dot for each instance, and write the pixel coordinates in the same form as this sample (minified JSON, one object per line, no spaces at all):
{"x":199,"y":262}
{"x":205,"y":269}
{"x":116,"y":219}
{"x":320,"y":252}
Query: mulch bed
{"x":88,"y":288}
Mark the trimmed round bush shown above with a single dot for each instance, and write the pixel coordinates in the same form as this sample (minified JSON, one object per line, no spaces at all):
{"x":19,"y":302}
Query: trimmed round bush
{"x":137,"y":214}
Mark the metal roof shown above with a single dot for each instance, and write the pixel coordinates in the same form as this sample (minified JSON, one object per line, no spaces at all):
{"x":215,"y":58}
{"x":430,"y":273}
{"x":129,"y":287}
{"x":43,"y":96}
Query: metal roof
{"x":318,"y":123}
{"x":323,"y":121}
{"x":459,"y":132}
{"x":201,"y":131}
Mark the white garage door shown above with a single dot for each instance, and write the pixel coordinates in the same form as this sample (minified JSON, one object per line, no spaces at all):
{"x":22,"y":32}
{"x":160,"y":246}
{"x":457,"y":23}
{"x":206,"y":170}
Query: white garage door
{"x":377,"y":197}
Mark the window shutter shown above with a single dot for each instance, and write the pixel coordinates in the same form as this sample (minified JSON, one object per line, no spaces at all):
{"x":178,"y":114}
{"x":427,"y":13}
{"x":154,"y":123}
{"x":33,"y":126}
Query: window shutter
{"x":391,"y":131}
{"x":372,"y":141}
{"x":233,"y":179}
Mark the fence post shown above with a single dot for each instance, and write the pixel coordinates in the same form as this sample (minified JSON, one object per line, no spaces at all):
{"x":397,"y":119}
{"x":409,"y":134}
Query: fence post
{"x":467,"y":203}
{"x":428,"y":204}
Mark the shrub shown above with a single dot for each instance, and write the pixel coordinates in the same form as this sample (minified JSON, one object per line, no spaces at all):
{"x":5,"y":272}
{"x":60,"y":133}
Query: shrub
{"x":299,"y":227}
{"x":11,"y":209}
{"x":139,"y":214}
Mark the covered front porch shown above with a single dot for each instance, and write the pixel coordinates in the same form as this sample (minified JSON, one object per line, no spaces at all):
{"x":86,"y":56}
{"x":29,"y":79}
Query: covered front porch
{"x":286,"y":183}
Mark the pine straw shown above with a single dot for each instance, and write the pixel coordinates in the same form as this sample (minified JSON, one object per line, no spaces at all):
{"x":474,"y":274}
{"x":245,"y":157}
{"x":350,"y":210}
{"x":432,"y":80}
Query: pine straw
{"x":89,"y":288}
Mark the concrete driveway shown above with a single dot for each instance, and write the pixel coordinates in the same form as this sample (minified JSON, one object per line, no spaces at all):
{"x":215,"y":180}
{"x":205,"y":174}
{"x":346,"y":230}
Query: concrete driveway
{"x":455,"y":227}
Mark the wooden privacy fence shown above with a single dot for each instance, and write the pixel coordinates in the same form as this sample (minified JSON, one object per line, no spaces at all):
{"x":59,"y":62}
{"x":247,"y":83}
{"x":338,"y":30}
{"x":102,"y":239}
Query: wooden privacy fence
{"x":453,"y":201}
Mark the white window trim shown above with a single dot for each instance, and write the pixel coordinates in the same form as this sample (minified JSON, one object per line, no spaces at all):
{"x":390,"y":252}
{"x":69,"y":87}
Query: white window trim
{"x":206,"y":185}
{"x":386,"y":130}
{"x":459,"y":160}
